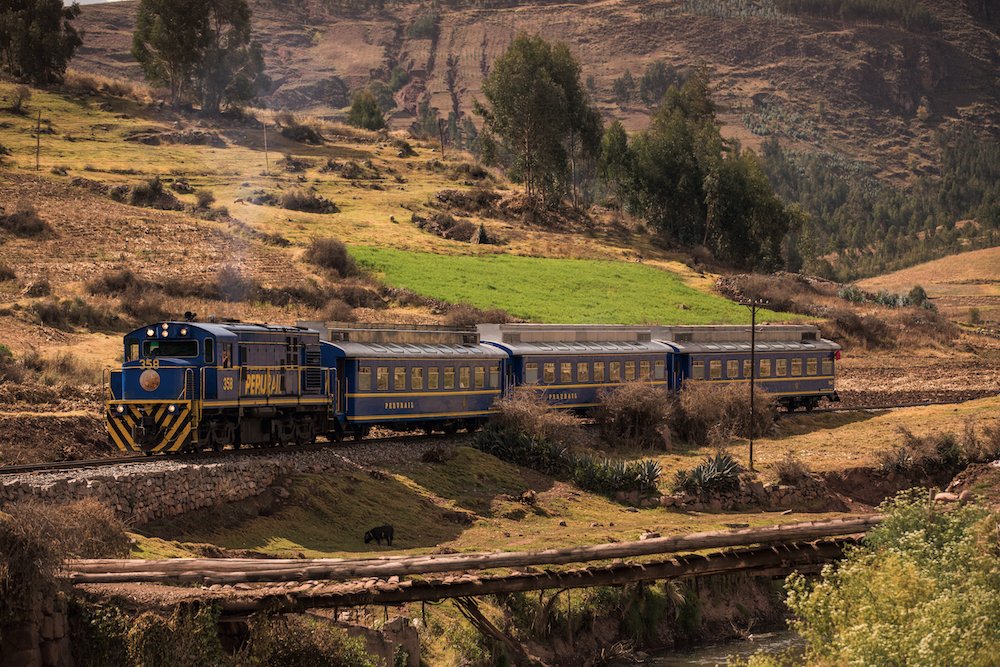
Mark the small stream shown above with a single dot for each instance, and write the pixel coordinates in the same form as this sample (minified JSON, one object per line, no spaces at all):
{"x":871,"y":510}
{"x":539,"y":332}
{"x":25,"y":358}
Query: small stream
{"x":719,"y":654}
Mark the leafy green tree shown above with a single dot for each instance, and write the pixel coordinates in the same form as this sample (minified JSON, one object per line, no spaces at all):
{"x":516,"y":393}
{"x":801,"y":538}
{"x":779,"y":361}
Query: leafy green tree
{"x":200,"y":48}
{"x":37,"y":39}
{"x":616,"y":160}
{"x":365,"y":112}
{"x":624,"y":88}
{"x":655,"y":82}
{"x":539,"y":113}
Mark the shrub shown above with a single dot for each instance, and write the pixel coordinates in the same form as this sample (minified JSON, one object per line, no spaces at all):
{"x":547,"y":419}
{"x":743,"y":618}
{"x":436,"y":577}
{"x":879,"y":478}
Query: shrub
{"x":527,"y":412}
{"x":233,"y":286}
{"x":112,"y":283}
{"x":635,"y":415}
{"x":64,"y":368}
{"x":152,"y":195}
{"x":294,"y":129}
{"x":204,"y":199}
{"x":331,"y":254}
{"x":144,"y":307}
{"x":307,"y":202}
{"x":6,"y":272}
{"x":708,"y":413}
{"x":338,"y":311}
{"x":25,"y":222}
{"x":467,"y":315}
{"x":365,"y":112}
{"x":791,"y":471}
{"x":424,"y":26}
{"x":74,"y":312}
{"x":921,"y":454}
{"x":980,"y":448}
{"x":975,"y":316}
{"x":83,"y":528}
{"x":359,"y":296}
{"x":716,"y":473}
{"x":19,"y":100}
{"x":293,"y":641}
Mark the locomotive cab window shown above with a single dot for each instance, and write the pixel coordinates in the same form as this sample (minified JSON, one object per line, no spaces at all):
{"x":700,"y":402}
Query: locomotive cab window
{"x":480,"y":377}
{"x":449,"y":378}
{"x":399,"y":378}
{"x":615,"y":368}
{"x":715,"y":369}
{"x":698,"y":370}
{"x":828,"y":367}
{"x":566,"y":373}
{"x":416,"y":378}
{"x":530,"y":372}
{"x":796,"y":367}
{"x":209,"y":351}
{"x":583,"y":372}
{"x":550,"y":373}
{"x":183,"y":349}
{"x":365,"y":378}
{"x":733,"y":369}
{"x":811,"y":366}
{"x":494,"y":377}
{"x":781,"y":367}
{"x":432,"y":378}
{"x":131,"y":349}
{"x":765,"y":368}
{"x":659,"y":370}
{"x":382,"y":378}
{"x":598,"y":371}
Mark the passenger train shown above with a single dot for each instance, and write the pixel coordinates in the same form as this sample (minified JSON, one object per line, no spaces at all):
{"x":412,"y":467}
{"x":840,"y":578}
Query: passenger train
{"x":190,"y":385}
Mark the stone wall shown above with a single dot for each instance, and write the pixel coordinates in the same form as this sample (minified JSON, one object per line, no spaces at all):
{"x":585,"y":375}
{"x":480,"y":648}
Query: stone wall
{"x":142,"y":492}
{"x":41,"y":640}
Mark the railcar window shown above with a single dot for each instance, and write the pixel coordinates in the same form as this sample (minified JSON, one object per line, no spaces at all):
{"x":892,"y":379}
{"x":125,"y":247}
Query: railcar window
{"x":463,"y":377}
{"x":432,"y":378}
{"x":494,"y":377}
{"x":583,"y":372}
{"x":550,"y":373}
{"x":416,"y":378}
{"x":449,"y":378}
{"x":733,"y":369}
{"x":747,"y":368}
{"x":811,"y":366}
{"x":480,"y":377}
{"x":598,"y":371}
{"x":644,"y":370}
{"x":530,"y":372}
{"x":796,"y":367}
{"x":781,"y":367}
{"x":382,"y":378}
{"x":209,"y":351}
{"x":659,"y":370}
{"x":399,"y":378}
{"x":765,"y":368}
{"x":629,"y":370}
{"x":364,"y":378}
{"x":566,"y":373}
{"x":828,"y":367}
{"x":132,"y":350}
{"x":615,"y":368}
{"x":184,"y":349}
{"x":715,"y":369}
{"x":698,"y":370}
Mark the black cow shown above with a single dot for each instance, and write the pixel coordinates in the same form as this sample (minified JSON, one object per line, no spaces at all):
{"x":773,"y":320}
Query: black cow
{"x":379,"y":534}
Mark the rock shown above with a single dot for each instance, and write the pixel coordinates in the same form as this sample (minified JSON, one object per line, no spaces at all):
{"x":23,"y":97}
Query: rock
{"x":563,"y":524}
{"x":966,"y":497}
{"x":648,"y":536}
{"x":945,"y":497}
{"x":529,"y":497}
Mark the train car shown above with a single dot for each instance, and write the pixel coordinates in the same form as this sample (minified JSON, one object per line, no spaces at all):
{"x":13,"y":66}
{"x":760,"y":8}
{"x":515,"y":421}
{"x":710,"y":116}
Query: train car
{"x":199,"y":385}
{"x":412,"y":377}
{"x":794,"y":364}
{"x":570,"y":365}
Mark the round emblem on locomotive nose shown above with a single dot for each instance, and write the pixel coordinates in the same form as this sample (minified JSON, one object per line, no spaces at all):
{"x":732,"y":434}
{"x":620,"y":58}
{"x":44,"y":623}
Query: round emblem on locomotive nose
{"x":149,"y":380}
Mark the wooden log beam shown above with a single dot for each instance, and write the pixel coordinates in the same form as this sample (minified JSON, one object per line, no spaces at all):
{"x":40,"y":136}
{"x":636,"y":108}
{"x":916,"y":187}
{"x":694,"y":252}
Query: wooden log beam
{"x":219,"y":570}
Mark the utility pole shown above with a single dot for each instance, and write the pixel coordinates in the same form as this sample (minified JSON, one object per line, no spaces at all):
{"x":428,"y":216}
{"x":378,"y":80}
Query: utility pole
{"x":267,"y":166}
{"x":753,"y":305}
{"x":38,"y":142}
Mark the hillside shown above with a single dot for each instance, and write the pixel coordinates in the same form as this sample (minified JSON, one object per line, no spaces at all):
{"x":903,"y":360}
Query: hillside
{"x":873,"y":91}
{"x":958,"y":283}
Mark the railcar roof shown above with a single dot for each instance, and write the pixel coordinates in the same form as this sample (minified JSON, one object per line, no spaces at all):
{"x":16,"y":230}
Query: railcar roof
{"x":583,"y":348}
{"x":415,"y":350}
{"x":821,"y":345}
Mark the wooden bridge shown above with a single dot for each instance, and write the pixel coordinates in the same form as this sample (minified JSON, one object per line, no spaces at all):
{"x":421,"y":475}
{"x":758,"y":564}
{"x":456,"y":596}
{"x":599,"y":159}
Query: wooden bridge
{"x":243,"y":586}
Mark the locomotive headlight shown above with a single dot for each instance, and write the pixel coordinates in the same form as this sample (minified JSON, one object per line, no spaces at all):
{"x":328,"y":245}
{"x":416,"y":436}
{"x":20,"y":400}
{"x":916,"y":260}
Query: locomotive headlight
{"x":120,"y":409}
{"x":165,"y":326}
{"x":184,"y":332}
{"x":149,"y":380}
{"x":165,"y":333}
{"x":171,"y":408}
{"x":150,"y":332}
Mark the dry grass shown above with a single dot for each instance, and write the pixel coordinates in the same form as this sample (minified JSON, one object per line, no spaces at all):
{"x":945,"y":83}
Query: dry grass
{"x":635,"y":415}
{"x":526,"y":412}
{"x":709,"y":414}
{"x":791,"y":470}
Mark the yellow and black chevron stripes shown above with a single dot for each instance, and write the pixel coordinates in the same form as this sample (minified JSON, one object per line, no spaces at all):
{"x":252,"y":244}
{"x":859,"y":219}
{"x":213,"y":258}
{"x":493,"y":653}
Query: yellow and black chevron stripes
{"x":170,"y":431}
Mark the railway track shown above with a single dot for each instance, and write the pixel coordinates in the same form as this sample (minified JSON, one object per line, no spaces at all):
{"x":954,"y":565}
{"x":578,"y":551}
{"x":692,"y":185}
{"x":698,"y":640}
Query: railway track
{"x":210,"y":456}
{"x":871,"y":408}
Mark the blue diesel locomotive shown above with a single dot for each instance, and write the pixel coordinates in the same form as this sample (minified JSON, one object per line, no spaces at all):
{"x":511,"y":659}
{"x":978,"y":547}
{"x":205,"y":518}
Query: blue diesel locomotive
{"x":207,"y":385}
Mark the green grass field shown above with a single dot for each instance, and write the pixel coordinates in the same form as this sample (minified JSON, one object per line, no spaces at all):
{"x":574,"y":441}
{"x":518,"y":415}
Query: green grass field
{"x":556,"y":290}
